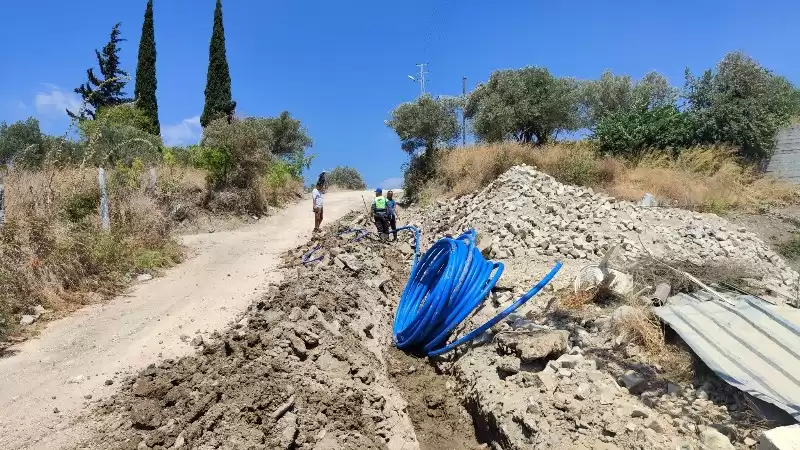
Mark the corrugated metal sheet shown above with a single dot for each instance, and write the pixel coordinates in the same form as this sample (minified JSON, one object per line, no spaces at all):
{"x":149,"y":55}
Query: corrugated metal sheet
{"x":749,"y":343}
{"x":785,"y":162}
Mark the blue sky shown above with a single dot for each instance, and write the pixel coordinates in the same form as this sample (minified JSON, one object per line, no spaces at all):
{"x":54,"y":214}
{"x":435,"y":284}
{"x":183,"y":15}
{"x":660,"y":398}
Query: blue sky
{"x":341,"y":66}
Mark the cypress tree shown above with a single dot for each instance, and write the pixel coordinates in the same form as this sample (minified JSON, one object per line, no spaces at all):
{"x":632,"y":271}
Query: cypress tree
{"x":219,"y":102}
{"x":145,"y":90}
{"x":108,"y":91}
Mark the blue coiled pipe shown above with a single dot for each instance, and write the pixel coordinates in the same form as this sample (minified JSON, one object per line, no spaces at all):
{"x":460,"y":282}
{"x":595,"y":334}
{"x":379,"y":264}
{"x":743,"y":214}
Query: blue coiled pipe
{"x":446,"y":285}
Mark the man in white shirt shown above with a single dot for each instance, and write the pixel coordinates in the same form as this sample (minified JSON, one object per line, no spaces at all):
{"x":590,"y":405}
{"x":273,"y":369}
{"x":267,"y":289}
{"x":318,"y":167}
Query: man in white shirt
{"x":316,"y":201}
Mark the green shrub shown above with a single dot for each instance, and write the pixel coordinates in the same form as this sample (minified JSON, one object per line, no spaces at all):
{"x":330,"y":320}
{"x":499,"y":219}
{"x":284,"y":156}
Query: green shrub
{"x":346,"y":177}
{"x":81,"y":205}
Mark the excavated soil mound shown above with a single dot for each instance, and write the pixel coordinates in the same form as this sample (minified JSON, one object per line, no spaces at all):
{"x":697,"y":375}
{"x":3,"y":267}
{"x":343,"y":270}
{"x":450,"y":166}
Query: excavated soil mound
{"x":304,"y":368}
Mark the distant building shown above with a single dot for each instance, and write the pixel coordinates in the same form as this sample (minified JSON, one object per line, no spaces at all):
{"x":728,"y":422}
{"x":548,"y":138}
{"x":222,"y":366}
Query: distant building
{"x":785,"y":163}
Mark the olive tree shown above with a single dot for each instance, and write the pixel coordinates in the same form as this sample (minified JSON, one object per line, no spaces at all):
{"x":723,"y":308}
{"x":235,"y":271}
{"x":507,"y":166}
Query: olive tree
{"x":741,"y":103}
{"x":423,"y":126}
{"x":614,"y":95}
{"x":528,"y":105}
{"x":424,"y":123}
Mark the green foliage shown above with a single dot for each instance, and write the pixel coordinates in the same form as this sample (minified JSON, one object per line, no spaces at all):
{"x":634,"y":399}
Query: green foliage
{"x":740,"y":103}
{"x":80,"y":206}
{"x":217,"y":162}
{"x":424,"y":123}
{"x":116,"y":136}
{"x":632,"y":132}
{"x":418,"y":171}
{"x":614,"y":95}
{"x":219,"y":100}
{"x":146,"y":83}
{"x":108,"y":91}
{"x":22,"y":138}
{"x":242,"y":147}
{"x":346,"y":177}
{"x":529,"y":105}
{"x":288,"y":135}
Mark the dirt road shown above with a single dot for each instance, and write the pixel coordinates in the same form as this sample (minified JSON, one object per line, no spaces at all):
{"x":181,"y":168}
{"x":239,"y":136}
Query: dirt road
{"x":81,"y":358}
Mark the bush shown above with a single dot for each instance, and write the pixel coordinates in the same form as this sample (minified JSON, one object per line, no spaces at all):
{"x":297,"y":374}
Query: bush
{"x":632,"y":133}
{"x":346,"y":178}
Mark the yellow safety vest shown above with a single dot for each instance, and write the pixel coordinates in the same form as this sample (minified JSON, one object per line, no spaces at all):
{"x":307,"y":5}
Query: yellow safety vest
{"x":380,"y":203}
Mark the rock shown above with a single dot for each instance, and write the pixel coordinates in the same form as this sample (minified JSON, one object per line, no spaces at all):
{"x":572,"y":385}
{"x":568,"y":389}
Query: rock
{"x":38,"y":310}
{"x":146,"y":415}
{"x":197,"y":341}
{"x":144,"y":277}
{"x":714,"y":440}
{"x":633,"y":381}
{"x":77,"y":379}
{"x":405,"y":248}
{"x":88,"y":396}
{"x":109,"y":382}
{"x":350,"y":262}
{"x":674,"y":390}
{"x":27,"y":319}
{"x":639,"y":412}
{"x":508,"y":365}
{"x":56,"y":411}
{"x":583,"y":391}
{"x":530,"y":347}
{"x":656,"y":426}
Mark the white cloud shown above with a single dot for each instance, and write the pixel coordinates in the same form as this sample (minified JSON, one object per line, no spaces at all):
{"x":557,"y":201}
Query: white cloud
{"x":392,"y":183}
{"x":187,"y":131}
{"x":55,"y":102}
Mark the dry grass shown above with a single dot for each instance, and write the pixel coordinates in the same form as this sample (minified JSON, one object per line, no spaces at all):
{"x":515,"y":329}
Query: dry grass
{"x":53,"y":251}
{"x":702,"y":178}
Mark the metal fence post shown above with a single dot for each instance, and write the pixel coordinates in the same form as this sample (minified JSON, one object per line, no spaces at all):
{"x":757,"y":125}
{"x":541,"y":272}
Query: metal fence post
{"x":105,"y":220}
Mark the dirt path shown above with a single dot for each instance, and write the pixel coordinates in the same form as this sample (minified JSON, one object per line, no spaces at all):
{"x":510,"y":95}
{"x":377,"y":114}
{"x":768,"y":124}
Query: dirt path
{"x":52,"y":378}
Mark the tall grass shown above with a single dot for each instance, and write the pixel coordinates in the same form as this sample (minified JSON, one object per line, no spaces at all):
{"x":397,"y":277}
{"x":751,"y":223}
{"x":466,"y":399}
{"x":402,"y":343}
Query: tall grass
{"x":53,"y":251}
{"x":701,"y":178}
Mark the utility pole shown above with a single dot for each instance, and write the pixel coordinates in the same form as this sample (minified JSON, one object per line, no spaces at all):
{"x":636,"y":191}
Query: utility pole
{"x":422,"y":73}
{"x":464,"y":111}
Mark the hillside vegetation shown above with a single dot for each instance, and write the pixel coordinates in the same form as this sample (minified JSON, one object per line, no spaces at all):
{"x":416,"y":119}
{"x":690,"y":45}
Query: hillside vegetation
{"x":56,"y":252}
{"x":703,"y":178}
{"x":695,"y":146}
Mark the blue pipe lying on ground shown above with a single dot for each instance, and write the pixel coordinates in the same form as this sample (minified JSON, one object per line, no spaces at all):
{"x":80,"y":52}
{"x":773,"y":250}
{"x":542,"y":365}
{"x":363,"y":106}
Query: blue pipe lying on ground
{"x":448,"y":283}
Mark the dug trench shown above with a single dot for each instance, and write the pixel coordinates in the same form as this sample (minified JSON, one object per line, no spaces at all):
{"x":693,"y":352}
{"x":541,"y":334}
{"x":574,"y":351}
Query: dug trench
{"x":309,"y":366}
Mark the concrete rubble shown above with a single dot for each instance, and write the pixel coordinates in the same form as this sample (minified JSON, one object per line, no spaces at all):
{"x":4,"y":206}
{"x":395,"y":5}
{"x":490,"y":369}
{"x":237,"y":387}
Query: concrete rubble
{"x":528,"y":220}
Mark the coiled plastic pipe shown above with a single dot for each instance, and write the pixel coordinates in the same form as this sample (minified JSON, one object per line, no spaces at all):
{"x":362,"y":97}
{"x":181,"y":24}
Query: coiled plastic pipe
{"x":446,"y":285}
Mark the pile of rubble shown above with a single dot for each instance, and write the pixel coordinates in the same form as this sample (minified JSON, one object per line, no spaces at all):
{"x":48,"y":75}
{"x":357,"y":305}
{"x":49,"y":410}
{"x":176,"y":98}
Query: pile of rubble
{"x":528,"y":219}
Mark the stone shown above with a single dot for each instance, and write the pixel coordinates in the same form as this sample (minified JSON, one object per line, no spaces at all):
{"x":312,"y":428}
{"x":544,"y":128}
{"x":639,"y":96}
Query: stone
{"x":674,"y":390}
{"x":144,"y":277}
{"x":406,"y":249}
{"x":38,"y":310}
{"x":350,"y":262}
{"x":781,"y":438}
{"x":197,"y":341}
{"x":27,"y":319}
{"x":146,"y":415}
{"x":508,"y":365}
{"x":632,"y":380}
{"x":584,"y":391}
{"x":714,"y":440}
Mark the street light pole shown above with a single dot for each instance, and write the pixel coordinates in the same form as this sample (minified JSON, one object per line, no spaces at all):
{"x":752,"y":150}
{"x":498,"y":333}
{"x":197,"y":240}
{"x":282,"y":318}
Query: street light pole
{"x":464,"y":111}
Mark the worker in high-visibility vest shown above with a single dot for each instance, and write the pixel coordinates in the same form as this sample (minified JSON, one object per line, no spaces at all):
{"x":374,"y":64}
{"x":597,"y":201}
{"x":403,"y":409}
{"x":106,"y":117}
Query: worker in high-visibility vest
{"x":380,"y":214}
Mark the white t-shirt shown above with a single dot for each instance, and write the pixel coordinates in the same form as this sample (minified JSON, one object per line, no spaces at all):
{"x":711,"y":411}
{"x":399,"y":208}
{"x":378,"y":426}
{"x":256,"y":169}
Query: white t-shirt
{"x":316,"y":195}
